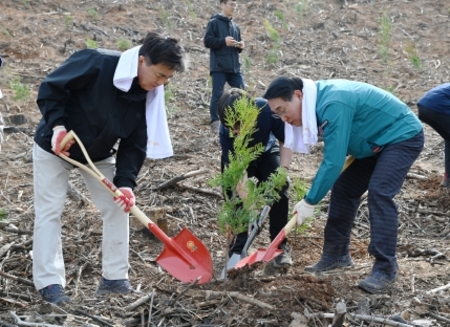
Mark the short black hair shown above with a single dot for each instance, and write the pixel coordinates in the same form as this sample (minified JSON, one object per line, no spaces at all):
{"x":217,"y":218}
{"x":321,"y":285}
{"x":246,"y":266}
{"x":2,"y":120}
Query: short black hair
{"x":225,"y":1}
{"x":226,"y":103}
{"x":283,"y":87}
{"x":163,"y":50}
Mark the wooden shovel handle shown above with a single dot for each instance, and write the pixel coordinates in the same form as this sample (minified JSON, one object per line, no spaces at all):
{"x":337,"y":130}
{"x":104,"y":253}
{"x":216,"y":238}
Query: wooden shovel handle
{"x":348,"y":161}
{"x":94,"y":172}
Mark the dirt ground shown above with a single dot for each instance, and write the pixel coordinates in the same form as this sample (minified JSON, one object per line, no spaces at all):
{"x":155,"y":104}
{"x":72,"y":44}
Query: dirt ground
{"x":399,"y":45}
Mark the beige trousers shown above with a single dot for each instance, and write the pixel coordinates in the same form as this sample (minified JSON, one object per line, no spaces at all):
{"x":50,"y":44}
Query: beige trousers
{"x":51,"y":177}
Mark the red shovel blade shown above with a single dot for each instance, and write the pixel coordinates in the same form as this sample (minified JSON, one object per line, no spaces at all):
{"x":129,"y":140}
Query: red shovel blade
{"x":186,"y":258}
{"x":260,"y":255}
{"x":272,"y":251}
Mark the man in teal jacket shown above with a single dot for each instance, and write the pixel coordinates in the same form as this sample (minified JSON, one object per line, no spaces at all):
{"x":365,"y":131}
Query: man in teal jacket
{"x":383,"y":135}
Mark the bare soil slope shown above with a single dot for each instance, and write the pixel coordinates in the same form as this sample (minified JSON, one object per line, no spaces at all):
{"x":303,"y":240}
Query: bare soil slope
{"x":399,"y":45}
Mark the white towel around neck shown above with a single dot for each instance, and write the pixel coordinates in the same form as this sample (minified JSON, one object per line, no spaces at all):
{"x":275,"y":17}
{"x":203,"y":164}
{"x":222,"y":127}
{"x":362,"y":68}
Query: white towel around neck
{"x":159,"y":144}
{"x":300,"y":138}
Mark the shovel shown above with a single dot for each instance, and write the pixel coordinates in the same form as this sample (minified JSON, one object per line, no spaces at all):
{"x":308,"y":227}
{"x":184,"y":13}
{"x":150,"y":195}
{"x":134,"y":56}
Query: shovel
{"x":184,"y":256}
{"x":272,"y":251}
{"x":257,"y":227}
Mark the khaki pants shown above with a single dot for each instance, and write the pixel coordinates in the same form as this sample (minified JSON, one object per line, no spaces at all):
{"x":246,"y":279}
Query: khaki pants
{"x":51,"y":177}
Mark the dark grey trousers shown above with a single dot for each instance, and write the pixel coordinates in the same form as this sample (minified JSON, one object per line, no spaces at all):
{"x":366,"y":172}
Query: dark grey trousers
{"x":382,"y":175}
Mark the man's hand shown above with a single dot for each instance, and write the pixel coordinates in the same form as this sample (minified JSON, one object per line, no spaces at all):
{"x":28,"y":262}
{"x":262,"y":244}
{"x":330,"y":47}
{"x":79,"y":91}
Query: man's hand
{"x":58,"y":134}
{"x":242,"y":186}
{"x":230,"y":41}
{"x":126,"y":200}
{"x":240,"y":45}
{"x":304,"y":210}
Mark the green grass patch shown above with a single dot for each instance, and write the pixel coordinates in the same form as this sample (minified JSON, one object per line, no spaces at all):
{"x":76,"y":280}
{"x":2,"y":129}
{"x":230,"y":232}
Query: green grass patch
{"x":272,"y":57}
{"x":164,"y":15}
{"x":91,"y":44}
{"x":280,"y":16}
{"x":68,"y":20}
{"x":272,"y":33}
{"x":3,"y":215}
{"x":385,"y":36}
{"x":247,"y":64}
{"x":412,"y":55}
{"x":93,"y":13}
{"x":169,"y":99}
{"x":124,"y":44}
{"x":21,"y":92}
{"x":300,"y":8}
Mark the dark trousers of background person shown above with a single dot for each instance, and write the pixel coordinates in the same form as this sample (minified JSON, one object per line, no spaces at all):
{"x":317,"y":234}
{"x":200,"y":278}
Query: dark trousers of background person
{"x":440,"y":122}
{"x":218,"y":83}
{"x":262,"y":168}
{"x":382,"y":175}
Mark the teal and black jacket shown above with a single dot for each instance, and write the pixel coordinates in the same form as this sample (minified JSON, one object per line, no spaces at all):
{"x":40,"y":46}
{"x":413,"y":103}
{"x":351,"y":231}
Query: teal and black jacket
{"x":356,"y":119}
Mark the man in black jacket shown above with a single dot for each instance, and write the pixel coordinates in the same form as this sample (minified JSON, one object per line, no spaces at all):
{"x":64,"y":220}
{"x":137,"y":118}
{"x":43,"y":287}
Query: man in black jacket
{"x":82,"y":95}
{"x":223,"y":38}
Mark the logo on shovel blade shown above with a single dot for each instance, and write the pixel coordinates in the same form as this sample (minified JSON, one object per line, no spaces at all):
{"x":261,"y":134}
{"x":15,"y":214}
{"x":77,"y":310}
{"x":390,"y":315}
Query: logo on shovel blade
{"x":191,"y":246}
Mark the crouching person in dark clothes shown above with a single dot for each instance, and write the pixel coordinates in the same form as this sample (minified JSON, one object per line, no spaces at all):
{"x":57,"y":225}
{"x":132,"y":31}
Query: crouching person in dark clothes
{"x":270,"y":133}
{"x":103,"y":96}
{"x":384,"y":136}
{"x":434,"y":110}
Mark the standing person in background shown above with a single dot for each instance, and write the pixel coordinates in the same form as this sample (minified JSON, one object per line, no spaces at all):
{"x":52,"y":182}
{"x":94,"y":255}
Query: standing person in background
{"x":103,"y":96}
{"x":383,"y":135}
{"x":434,"y":110}
{"x":223,"y":38}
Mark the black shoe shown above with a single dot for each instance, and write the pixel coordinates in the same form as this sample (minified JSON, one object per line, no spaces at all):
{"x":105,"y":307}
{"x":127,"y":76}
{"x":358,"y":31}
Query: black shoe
{"x":377,"y":282}
{"x":283,"y":260}
{"x":330,"y":262}
{"x":119,"y":286}
{"x":54,"y":294}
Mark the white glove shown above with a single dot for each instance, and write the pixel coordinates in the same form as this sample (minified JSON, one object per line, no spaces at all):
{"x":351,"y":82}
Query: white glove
{"x":304,"y":210}
{"x":58,"y":134}
{"x":126,"y":200}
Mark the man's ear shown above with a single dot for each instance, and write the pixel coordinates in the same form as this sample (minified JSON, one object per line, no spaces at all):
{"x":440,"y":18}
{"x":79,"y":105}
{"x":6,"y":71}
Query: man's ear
{"x":299,"y":94}
{"x":141,"y":59}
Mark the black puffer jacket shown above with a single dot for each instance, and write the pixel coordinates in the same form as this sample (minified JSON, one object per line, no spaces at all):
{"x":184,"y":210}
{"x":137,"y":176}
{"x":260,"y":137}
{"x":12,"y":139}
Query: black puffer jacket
{"x":81,"y":96}
{"x":222,"y":58}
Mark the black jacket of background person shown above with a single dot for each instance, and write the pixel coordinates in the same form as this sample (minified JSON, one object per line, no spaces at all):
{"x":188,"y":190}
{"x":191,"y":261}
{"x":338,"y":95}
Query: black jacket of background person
{"x":268,"y":131}
{"x":81,"y":96}
{"x":222,"y":58}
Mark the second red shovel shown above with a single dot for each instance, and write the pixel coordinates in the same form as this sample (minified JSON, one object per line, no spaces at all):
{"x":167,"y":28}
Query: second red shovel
{"x":272,"y":251}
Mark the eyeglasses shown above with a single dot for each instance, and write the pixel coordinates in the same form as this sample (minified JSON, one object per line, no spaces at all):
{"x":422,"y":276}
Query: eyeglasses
{"x":280,"y":113}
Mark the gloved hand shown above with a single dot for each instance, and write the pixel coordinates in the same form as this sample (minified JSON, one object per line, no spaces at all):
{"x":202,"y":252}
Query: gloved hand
{"x":304,"y":210}
{"x":58,"y":134}
{"x":126,"y":200}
